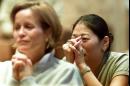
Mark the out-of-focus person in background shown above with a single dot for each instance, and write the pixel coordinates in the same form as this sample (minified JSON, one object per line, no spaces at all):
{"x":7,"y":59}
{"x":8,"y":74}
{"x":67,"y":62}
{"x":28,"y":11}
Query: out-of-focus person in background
{"x":65,"y":35}
{"x":36,"y":30}
{"x":89,"y":48}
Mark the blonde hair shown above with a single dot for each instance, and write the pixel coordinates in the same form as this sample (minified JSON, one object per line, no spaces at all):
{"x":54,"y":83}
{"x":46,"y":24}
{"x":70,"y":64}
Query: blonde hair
{"x":45,"y":15}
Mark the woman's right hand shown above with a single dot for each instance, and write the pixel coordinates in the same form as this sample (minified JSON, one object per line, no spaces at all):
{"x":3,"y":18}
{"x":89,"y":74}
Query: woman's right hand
{"x":22,"y":66}
{"x":74,"y":51}
{"x":68,"y":52}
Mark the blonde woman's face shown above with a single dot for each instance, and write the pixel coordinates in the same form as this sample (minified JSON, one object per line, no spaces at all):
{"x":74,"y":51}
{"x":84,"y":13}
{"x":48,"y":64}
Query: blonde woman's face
{"x":28,"y":33}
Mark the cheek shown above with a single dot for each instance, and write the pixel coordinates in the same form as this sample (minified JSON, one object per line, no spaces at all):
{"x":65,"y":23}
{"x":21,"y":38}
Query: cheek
{"x":87,"y":46}
{"x":15,"y":36}
{"x":90,"y":46}
{"x":38,"y":38}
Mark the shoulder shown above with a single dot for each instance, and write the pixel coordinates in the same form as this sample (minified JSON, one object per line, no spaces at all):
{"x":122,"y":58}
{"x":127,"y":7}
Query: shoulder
{"x":58,"y":64}
{"x":67,"y":72}
{"x":118,"y":59}
{"x":5,"y":63}
{"x":117,"y":56}
{"x":66,"y":65}
{"x":119,"y":62}
{"x":5,"y":67}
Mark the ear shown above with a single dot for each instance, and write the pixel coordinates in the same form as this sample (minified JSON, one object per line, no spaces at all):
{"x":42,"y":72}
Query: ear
{"x":48,"y":34}
{"x":105,"y":43}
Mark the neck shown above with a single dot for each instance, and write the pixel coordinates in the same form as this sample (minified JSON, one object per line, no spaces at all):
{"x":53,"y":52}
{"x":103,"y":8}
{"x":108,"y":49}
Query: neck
{"x":34,"y":54}
{"x":95,"y":65}
{"x":36,"y":57}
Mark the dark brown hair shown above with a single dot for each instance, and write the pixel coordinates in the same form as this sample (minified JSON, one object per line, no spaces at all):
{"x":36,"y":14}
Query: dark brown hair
{"x":97,"y":25}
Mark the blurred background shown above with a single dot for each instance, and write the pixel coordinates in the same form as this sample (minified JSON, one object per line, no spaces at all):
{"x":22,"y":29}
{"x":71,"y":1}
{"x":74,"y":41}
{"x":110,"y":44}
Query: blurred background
{"x":115,"y":12}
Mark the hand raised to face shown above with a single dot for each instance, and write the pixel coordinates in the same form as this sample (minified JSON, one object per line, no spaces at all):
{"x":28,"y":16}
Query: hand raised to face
{"x":74,"y":51}
{"x":22,"y":66}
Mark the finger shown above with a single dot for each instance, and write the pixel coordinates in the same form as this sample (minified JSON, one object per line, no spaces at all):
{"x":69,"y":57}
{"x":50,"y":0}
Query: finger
{"x":77,"y":43}
{"x":13,"y":59}
{"x":19,"y":64}
{"x":73,"y":49}
{"x":22,"y":57}
{"x":78,"y":52}
{"x":29,"y":62}
{"x":18,"y":67}
{"x":74,"y":40}
{"x":78,"y":38}
{"x":79,"y":55}
{"x":71,"y":42}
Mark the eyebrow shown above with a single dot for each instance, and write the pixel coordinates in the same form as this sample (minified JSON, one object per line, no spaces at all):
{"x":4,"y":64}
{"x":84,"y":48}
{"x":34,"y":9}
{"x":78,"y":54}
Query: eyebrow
{"x":80,"y":34}
{"x":84,"y":34}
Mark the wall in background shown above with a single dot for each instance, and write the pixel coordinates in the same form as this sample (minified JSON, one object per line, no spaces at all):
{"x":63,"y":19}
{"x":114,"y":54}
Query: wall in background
{"x":115,"y":12}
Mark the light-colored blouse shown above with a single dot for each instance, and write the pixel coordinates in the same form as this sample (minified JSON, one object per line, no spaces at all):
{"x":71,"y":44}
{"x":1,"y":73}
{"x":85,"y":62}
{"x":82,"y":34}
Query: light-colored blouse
{"x":49,"y":71}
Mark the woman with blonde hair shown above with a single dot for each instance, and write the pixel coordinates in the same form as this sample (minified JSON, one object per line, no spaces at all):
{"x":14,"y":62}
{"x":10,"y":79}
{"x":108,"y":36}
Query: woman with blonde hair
{"x":36,"y":30}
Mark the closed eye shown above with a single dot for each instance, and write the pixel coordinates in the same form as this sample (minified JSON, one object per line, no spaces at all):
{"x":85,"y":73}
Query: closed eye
{"x":16,"y":27}
{"x":84,"y":39}
{"x":29,"y":26}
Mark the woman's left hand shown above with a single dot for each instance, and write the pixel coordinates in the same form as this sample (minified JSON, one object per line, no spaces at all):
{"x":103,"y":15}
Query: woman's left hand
{"x":75,"y":46}
{"x":22,"y":66}
{"x":79,"y":53}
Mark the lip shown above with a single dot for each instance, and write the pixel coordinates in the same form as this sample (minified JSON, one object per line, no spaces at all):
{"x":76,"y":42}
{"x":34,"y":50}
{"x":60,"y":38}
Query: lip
{"x":22,"y":41}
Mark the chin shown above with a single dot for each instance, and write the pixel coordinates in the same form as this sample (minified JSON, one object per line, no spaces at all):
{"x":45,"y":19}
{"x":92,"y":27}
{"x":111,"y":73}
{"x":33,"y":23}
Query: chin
{"x":23,"y":49}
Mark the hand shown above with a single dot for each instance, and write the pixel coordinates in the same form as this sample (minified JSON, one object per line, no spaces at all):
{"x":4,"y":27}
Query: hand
{"x":68,"y":52}
{"x":22,"y":66}
{"x":79,"y":54}
{"x":74,"y":51}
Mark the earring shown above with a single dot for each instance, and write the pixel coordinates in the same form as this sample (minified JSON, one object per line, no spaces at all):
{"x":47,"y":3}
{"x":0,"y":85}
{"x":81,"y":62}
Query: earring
{"x":49,"y":43}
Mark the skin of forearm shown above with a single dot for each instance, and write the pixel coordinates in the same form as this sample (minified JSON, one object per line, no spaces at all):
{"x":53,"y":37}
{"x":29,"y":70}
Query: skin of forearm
{"x":91,"y":80}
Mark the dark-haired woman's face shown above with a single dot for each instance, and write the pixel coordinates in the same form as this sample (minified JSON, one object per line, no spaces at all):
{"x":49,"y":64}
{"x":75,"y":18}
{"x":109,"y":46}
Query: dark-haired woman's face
{"x":90,"y":41}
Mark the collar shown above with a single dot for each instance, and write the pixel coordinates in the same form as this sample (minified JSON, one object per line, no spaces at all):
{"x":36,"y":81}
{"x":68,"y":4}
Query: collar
{"x":44,"y":63}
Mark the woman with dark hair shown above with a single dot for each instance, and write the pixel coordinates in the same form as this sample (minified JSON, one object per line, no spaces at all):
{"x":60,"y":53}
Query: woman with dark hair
{"x":89,"y":48}
{"x":36,"y":30}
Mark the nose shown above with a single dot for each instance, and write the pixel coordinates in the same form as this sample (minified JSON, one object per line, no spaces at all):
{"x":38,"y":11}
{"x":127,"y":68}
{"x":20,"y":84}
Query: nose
{"x":78,"y":38}
{"x":21,"y":32}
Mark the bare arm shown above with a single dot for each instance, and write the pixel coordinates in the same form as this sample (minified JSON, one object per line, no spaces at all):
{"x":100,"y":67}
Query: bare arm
{"x":89,"y":78}
{"x":120,"y":80}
